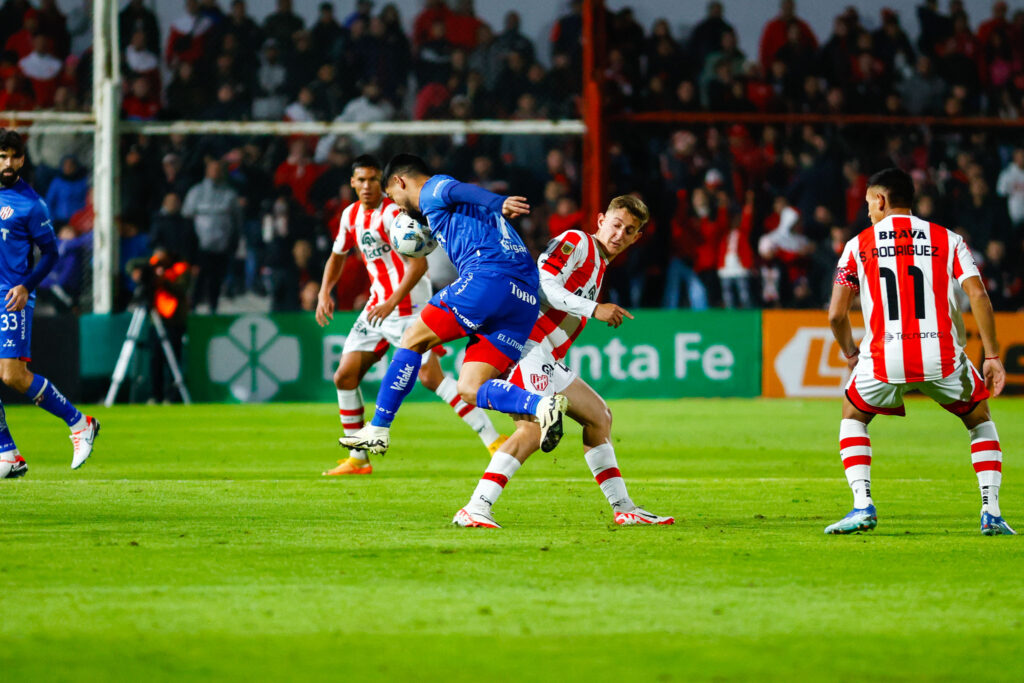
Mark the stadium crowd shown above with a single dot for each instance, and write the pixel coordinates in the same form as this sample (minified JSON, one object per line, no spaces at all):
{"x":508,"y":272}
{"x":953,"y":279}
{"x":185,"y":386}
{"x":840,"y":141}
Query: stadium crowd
{"x":744,"y":214}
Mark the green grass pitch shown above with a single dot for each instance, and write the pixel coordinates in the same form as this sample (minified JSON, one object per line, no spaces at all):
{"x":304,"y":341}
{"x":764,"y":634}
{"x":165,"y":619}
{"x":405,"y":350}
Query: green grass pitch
{"x":202,"y":543}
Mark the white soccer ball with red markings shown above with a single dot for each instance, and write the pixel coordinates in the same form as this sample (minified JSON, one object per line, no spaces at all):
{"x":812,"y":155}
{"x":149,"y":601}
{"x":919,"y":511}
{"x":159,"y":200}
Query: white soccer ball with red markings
{"x":411,"y":238}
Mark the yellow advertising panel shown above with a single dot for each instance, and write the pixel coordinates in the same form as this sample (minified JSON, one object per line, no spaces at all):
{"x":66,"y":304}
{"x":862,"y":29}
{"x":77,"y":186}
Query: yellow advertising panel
{"x":801,"y":359}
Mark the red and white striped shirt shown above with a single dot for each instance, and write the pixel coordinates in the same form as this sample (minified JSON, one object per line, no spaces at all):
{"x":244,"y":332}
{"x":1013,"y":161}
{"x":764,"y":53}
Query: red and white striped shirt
{"x":904,"y":268}
{"x":369,"y":231}
{"x":571,"y":271}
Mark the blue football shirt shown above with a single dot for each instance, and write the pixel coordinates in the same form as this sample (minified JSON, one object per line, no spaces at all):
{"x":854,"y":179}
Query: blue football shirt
{"x":24,"y":222}
{"x":467,"y":222}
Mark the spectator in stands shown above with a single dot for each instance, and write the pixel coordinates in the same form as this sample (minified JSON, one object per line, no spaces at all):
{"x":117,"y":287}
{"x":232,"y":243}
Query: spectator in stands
{"x":328,"y":35}
{"x":136,"y":17}
{"x":924,"y":91}
{"x":983,"y":215}
{"x":462,"y":25}
{"x":171,"y":231}
{"x":41,"y":68}
{"x":369,"y":107}
{"x":301,"y":61}
{"x":21,"y":42}
{"x":186,"y":97}
{"x":141,"y":103}
{"x":363,"y":12}
{"x":63,"y":284}
{"x":729,"y":57}
{"x":328,"y":95}
{"x":997,"y":22}
{"x":213,"y":207}
{"x":776,"y":33}
{"x":248,"y":34}
{"x":140,"y":61}
{"x":567,"y":34}
{"x":736,"y":258}
{"x":187,"y":39}
{"x":706,"y":36}
{"x":284,"y":224}
{"x":1011,"y":186}
{"x":269,"y":99}
{"x":512,"y":39}
{"x":54,"y":25}
{"x":282,"y":24}
{"x":434,"y":56}
{"x":66,"y":193}
{"x":433,"y":11}
{"x":298,"y":172}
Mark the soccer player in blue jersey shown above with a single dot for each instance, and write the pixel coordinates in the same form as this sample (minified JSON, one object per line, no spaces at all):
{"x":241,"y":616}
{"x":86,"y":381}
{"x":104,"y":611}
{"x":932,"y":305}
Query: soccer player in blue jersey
{"x":24,"y":223}
{"x":494,"y":302}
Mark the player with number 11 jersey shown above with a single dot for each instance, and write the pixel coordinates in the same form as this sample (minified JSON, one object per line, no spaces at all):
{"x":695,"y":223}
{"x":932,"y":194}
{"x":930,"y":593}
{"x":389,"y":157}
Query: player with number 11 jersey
{"x":906,"y":270}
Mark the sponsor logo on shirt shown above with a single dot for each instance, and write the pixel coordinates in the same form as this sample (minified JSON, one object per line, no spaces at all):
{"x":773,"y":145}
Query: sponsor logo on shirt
{"x":523,"y":295}
{"x":893,"y":336}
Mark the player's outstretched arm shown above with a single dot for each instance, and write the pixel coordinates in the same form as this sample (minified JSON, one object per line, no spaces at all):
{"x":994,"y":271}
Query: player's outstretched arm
{"x":417,"y":268}
{"x":839,"y":320}
{"x":611,"y":314}
{"x":981,"y":307}
{"x":324,"y":303}
{"x":454,"y":192}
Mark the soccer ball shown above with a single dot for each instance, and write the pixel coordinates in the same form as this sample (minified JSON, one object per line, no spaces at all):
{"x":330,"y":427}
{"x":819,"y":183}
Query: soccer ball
{"x":7,"y":463}
{"x":411,"y":238}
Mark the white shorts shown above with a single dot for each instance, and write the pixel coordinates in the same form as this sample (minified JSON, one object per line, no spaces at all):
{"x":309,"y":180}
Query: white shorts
{"x":539,"y":372}
{"x":958,"y":393}
{"x":364,"y":337}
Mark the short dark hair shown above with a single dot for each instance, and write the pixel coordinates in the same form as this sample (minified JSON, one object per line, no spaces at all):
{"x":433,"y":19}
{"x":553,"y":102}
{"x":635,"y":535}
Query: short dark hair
{"x":11,"y":139}
{"x":897,"y":184}
{"x":404,"y":164}
{"x":365,"y":161}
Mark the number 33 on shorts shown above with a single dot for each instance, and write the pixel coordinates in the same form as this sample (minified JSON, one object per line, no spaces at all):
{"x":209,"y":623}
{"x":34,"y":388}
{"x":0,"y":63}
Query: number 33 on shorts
{"x":16,"y":334}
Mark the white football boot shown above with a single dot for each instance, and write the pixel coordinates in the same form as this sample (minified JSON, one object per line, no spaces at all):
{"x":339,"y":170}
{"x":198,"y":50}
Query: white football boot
{"x":369,"y":438}
{"x":475,"y":518}
{"x":550,"y":412}
{"x":83,"y":440}
{"x":638,"y":516}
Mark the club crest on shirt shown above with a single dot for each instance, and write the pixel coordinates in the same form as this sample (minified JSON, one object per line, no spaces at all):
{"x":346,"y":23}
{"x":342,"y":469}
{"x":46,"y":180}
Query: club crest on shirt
{"x":539,"y":382}
{"x":6,"y":212}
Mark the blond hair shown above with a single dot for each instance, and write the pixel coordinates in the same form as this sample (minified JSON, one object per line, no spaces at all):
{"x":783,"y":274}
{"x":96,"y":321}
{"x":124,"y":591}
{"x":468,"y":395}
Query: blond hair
{"x":633,"y":205}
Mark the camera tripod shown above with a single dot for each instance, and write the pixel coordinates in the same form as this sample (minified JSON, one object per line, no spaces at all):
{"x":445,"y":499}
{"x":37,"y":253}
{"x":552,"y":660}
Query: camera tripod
{"x":131,"y":340}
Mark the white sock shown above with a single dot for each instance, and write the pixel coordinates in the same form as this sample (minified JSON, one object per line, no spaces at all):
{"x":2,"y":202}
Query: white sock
{"x":987,"y":458}
{"x":448,"y":391}
{"x":350,"y":410}
{"x":606,"y":473}
{"x":80,"y":424}
{"x":855,"y":450}
{"x":497,"y":474}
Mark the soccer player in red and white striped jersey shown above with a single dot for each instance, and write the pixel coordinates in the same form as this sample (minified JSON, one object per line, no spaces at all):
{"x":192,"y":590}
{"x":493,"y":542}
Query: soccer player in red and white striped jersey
{"x":906,"y":271}
{"x":398,"y":292}
{"x":571,"y":271}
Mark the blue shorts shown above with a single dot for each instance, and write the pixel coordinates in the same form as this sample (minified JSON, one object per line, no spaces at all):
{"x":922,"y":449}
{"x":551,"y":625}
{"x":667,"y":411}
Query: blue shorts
{"x":16,"y":334}
{"x":497,"y":311}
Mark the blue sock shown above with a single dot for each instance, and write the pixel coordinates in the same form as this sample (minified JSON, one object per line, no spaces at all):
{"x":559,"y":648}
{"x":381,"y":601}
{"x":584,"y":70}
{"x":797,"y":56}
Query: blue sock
{"x":46,"y":396}
{"x":6,"y":440}
{"x":398,"y":382}
{"x":506,"y":397}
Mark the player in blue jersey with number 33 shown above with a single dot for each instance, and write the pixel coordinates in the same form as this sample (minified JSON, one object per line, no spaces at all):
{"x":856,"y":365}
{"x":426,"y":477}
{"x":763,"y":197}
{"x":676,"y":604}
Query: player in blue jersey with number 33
{"x":24,"y":224}
{"x":494,"y":302}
